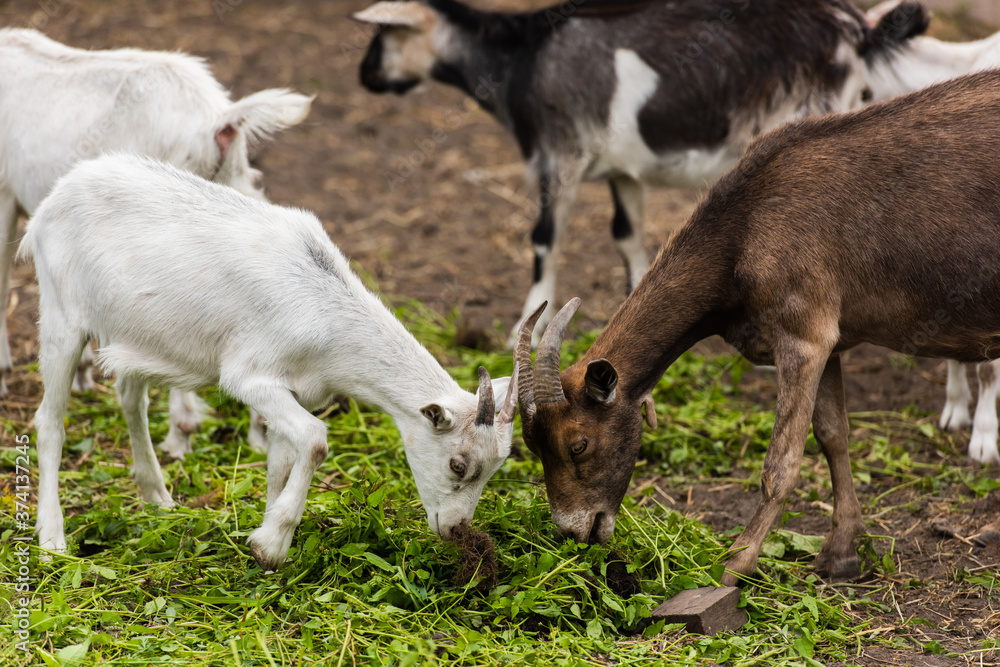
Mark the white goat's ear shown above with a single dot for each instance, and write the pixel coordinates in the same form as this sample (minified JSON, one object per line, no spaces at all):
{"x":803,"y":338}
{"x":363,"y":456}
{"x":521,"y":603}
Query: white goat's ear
{"x":439,"y":416}
{"x":408,"y":14}
{"x":500,"y":386}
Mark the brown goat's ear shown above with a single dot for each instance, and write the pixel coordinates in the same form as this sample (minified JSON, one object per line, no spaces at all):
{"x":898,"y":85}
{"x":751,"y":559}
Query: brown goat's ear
{"x":601,"y":380}
{"x":650,"y":411}
{"x":439,"y":417}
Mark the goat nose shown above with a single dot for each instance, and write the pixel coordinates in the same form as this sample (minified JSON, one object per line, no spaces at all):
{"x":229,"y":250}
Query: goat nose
{"x":595,"y":529}
{"x":566,"y":533}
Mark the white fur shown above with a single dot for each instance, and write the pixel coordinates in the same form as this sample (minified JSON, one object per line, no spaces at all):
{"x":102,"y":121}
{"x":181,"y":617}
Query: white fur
{"x":59,"y":105}
{"x":955,"y":415}
{"x":624,"y":151}
{"x":923,"y":61}
{"x":189,"y":284}
{"x":983,"y":444}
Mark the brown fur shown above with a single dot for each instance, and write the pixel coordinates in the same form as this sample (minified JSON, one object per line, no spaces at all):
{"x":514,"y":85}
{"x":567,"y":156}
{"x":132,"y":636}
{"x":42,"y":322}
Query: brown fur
{"x":881,"y":226}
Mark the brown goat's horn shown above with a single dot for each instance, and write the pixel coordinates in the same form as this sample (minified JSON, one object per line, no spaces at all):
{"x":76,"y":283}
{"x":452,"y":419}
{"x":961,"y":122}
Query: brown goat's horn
{"x":487,"y":408}
{"x":548,"y":387}
{"x":522,"y":361}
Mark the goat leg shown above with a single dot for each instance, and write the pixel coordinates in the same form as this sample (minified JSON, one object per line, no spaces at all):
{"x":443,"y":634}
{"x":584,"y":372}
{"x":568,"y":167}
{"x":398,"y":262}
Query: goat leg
{"x":839,"y":558}
{"x":800,"y":366}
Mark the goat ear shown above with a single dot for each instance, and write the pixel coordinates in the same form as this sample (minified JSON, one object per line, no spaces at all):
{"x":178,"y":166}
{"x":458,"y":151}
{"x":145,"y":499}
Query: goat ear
{"x":440,"y":417}
{"x":601,"y":380}
{"x":407,"y":14}
{"x":650,"y":411}
{"x":224,"y":139}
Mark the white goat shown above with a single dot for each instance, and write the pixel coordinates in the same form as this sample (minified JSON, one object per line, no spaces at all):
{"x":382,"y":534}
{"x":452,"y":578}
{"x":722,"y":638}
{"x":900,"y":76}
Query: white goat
{"x":921,"y":61}
{"x":915,"y":64}
{"x":187,"y":283}
{"x":59,"y":105}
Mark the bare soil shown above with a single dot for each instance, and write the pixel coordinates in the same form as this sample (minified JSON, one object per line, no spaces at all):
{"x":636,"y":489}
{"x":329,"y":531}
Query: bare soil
{"x":425,"y":194}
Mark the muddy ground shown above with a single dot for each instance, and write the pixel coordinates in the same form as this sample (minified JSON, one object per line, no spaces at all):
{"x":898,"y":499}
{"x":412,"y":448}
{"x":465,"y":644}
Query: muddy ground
{"x":425,"y":193}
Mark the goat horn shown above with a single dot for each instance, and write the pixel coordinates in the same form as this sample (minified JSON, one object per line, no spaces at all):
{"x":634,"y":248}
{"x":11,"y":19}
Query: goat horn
{"x":548,"y":387}
{"x":487,"y":408}
{"x":522,"y":362}
{"x":510,"y":403}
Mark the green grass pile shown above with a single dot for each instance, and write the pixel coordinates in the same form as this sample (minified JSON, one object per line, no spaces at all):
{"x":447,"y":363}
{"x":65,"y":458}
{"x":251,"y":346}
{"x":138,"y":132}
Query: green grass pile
{"x":368,"y":583}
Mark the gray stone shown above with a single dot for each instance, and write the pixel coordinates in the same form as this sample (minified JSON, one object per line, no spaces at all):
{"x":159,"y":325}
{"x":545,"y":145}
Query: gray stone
{"x":705,"y":611}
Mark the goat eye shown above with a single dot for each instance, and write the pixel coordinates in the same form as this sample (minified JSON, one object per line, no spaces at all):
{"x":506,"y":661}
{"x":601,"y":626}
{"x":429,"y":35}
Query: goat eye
{"x":458,"y":467}
{"x":578,"y":447}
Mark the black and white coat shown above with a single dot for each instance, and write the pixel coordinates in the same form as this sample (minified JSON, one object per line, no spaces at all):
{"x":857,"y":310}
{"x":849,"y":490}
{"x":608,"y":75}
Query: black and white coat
{"x":633,"y":91}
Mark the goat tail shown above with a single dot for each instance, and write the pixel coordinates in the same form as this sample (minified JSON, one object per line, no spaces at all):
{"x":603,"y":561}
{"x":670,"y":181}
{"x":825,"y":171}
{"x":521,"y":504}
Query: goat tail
{"x":262,"y":114}
{"x":892,"y":23}
{"x":26,"y":251}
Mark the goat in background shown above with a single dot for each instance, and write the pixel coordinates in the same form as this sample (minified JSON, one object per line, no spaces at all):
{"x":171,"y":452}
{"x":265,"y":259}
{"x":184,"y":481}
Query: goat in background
{"x":632,"y":92}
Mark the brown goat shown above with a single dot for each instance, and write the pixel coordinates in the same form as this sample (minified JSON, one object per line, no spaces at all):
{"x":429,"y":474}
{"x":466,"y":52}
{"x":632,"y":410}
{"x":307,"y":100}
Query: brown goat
{"x":879,"y":226}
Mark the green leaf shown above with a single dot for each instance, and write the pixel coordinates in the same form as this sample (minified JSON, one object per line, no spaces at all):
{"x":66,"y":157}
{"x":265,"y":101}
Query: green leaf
{"x":375,"y":497}
{"x":804,"y":646}
{"x":47,"y":658}
{"x":812,"y":605}
{"x":773,"y":548}
{"x":242,"y":487}
{"x":378,"y":561}
{"x":609,"y":601}
{"x":74,"y":654}
{"x":888,"y":566}
{"x":594,"y":629}
{"x":807,"y":544}
{"x":934,"y":648}
{"x":105,"y":572}
{"x":354,"y":549}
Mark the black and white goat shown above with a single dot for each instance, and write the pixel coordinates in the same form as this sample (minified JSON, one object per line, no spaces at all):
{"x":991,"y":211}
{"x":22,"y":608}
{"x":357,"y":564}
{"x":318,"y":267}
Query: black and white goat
{"x":188,"y":283}
{"x":59,"y":105}
{"x":632,"y":91}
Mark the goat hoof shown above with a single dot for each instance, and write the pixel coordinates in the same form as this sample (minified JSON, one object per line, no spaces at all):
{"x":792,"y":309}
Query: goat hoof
{"x":837,"y":569}
{"x":270,"y":547}
{"x":953,"y":419}
{"x":83,"y":382}
{"x":264,"y":561}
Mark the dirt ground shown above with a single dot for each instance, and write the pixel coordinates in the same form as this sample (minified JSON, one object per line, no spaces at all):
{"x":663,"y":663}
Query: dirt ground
{"x":425,"y":193}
